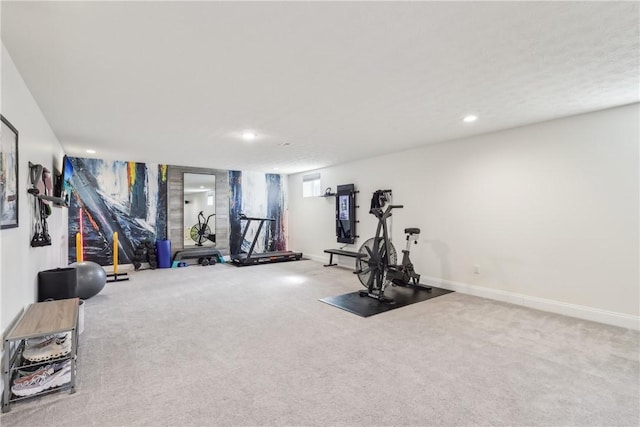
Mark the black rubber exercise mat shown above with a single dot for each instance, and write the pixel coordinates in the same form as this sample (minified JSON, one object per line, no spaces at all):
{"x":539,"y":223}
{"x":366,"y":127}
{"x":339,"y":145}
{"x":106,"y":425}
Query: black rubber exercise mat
{"x":365,"y":306}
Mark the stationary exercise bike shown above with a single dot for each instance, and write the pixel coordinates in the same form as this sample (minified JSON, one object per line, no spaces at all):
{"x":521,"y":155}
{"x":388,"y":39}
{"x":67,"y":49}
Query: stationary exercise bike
{"x":201,"y":232}
{"x":404,"y":274}
{"x":376,"y":267}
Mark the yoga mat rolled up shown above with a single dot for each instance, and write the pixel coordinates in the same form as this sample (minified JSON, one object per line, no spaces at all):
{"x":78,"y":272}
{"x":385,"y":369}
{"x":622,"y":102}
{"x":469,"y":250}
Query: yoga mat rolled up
{"x":163,"y":251}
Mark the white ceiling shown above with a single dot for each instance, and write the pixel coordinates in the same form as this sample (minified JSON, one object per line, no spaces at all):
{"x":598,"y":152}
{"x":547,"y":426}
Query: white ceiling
{"x":177,"y":83}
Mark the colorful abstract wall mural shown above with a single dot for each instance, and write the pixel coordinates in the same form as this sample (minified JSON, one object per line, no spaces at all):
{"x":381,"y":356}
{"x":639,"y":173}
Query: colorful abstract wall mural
{"x":262,"y":196}
{"x":115,"y":196}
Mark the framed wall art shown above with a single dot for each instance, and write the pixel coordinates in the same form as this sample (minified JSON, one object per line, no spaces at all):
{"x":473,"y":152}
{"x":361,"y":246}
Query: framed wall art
{"x":8,"y":175}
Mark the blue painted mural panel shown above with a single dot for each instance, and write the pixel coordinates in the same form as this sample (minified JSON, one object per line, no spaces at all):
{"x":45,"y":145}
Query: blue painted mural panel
{"x":257,"y":195}
{"x":115,"y":196}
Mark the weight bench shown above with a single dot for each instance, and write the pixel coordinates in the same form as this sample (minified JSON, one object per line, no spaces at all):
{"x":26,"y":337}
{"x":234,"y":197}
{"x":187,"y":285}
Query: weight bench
{"x":341,"y":252}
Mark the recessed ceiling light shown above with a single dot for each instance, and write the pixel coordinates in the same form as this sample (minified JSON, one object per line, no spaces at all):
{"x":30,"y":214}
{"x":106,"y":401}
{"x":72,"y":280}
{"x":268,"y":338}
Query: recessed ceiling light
{"x":91,"y":151}
{"x":202,"y":186}
{"x":470,"y":118}
{"x":249,"y":136}
{"x":276,"y":169}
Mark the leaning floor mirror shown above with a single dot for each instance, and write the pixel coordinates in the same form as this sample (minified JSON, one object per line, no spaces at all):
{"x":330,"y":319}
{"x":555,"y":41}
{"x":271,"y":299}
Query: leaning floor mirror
{"x":199,"y":210}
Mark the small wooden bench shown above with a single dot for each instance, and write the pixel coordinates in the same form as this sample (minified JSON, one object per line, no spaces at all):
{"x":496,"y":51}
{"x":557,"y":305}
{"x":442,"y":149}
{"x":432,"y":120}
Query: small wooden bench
{"x":341,"y":252}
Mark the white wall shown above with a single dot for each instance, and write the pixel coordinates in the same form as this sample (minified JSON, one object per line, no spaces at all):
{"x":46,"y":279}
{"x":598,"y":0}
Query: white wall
{"x":549,"y":213}
{"x":37,"y":144}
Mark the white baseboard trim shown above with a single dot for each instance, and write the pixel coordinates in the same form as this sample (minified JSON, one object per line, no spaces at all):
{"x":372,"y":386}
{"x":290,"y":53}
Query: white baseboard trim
{"x":566,"y":309}
{"x":558,"y":307}
{"x":319,"y":258}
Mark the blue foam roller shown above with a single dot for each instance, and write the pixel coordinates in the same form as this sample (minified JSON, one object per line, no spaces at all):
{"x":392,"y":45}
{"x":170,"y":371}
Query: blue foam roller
{"x":163,"y":251}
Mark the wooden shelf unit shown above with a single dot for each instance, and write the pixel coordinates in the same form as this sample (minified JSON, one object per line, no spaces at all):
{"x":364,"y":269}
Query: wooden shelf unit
{"x":40,"y":319}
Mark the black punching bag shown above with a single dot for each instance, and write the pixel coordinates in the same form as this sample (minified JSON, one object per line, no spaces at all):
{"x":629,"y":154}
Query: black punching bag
{"x":59,"y":283}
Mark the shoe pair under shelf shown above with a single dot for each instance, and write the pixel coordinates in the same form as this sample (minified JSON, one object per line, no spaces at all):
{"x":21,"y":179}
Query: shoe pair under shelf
{"x":50,"y":348}
{"x":44,"y":378}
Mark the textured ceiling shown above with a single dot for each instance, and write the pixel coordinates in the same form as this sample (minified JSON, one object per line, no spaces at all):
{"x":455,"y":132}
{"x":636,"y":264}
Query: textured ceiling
{"x":178,"y":82}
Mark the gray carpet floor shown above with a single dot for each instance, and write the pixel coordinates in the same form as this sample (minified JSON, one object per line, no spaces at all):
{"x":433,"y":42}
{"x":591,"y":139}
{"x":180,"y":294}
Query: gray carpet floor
{"x":221,"y":345}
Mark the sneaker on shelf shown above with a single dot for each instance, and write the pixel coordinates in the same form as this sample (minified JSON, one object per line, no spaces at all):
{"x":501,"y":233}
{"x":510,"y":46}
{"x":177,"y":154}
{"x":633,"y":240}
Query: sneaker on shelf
{"x":54,"y":347}
{"x":58,"y":374}
{"x":39,"y":340}
{"x":26,"y":375}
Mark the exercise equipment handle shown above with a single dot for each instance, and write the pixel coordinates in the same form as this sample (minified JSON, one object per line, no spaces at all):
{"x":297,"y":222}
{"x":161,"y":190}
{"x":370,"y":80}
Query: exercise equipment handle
{"x":396,"y":206}
{"x":79,"y":254}
{"x":256,"y":219}
{"x":115,"y":253}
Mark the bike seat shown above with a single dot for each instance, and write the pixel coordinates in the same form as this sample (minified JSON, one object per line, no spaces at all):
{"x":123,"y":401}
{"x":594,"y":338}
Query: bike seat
{"x":411,"y":231}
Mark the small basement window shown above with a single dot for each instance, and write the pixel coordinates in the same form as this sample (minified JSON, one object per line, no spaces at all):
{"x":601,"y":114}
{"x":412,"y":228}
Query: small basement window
{"x":311,"y":185}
